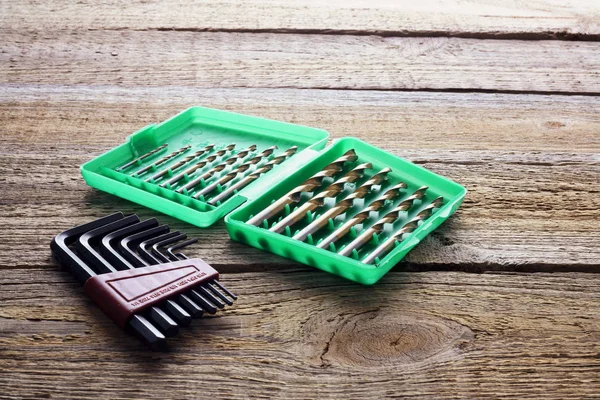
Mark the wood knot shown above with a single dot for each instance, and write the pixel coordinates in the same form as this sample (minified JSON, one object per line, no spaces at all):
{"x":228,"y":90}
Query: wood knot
{"x":554,"y":124}
{"x":386,"y":338}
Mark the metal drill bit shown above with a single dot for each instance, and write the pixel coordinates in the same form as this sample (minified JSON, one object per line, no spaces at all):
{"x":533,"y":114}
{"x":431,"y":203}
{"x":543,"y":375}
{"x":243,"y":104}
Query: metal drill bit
{"x":340,"y":232}
{"x":410,"y":226}
{"x":293,"y":196}
{"x":343,"y":205}
{"x":332,"y":190}
{"x":231,"y":175}
{"x":140,"y":158}
{"x":180,"y":163}
{"x":162,"y":160}
{"x":194,"y":182}
{"x":253,"y":176}
{"x":198,"y":166}
{"x":388,"y":218}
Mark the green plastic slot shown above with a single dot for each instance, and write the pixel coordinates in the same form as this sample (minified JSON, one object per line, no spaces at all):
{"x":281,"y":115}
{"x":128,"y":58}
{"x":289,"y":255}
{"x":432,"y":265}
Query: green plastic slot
{"x":198,"y":127}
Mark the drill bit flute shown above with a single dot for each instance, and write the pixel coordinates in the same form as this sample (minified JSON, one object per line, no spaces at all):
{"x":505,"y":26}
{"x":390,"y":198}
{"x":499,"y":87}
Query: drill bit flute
{"x":340,"y":232}
{"x":180,"y":163}
{"x":253,"y":176}
{"x":309,"y":185}
{"x":197,"y":166}
{"x":195,"y":182}
{"x":410,"y":226}
{"x":161,"y":161}
{"x":343,"y":205}
{"x":378,"y":227}
{"x":319,"y":200}
{"x":231,"y":175}
{"x":140,"y":158}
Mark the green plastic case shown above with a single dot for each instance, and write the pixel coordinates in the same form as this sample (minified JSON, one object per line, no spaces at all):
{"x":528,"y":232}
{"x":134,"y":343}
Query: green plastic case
{"x":198,"y":126}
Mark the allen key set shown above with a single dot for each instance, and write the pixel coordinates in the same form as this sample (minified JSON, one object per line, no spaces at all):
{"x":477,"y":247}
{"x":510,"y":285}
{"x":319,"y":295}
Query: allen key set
{"x":350,"y":209}
{"x":126,"y":270}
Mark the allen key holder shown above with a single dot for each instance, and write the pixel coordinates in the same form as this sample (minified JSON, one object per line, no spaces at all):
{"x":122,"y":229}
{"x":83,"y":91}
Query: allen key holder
{"x":120,"y":261}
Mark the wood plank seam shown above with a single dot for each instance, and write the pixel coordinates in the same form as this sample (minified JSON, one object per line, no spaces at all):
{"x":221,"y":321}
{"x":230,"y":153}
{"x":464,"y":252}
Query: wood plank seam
{"x":533,"y":36}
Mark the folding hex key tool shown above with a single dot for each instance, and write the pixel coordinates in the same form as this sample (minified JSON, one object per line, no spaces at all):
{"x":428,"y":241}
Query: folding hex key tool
{"x":147,"y":291}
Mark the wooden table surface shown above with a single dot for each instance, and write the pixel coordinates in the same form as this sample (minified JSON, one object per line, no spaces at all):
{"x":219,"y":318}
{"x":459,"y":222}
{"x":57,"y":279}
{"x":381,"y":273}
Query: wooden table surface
{"x":503,"y":301}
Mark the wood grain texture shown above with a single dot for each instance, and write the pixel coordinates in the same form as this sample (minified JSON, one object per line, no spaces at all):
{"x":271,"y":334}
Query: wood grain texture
{"x":514,"y":119}
{"x":313,"y":335}
{"x":208,"y":60}
{"x":540,"y":19}
{"x":526,"y":209}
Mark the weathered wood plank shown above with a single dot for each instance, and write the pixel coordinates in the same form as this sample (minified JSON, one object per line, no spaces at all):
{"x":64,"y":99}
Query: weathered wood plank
{"x":526,"y":210}
{"x":547,"y":19}
{"x":312,"y":335}
{"x":135,"y":58}
{"x":97,"y":118}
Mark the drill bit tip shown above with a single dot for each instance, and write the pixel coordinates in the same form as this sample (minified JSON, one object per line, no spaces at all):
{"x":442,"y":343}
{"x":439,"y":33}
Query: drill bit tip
{"x":437,"y":203}
{"x":420,"y":192}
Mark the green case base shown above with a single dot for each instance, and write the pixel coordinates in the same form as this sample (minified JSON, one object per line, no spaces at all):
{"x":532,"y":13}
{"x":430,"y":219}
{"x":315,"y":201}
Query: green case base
{"x":199,"y":126}
{"x":327,"y":260}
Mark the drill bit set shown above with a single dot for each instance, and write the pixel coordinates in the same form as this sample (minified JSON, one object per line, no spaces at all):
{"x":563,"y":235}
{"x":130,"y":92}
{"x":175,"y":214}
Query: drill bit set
{"x":201,"y":164}
{"x":210,"y":175}
{"x":350,"y":209}
{"x":318,"y":206}
{"x":135,"y":271}
{"x":354,"y":211}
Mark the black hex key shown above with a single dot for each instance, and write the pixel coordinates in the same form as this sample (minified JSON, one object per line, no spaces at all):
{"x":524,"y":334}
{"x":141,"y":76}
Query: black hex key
{"x":114,"y":252}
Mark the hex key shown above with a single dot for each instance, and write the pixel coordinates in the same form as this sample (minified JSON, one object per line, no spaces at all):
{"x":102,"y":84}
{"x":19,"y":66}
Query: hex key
{"x":206,"y":299}
{"x":61,"y":242}
{"x":82,"y":272}
{"x":190,"y":306}
{"x":115,"y":257}
{"x":126,"y":246}
{"x":178,"y":246}
{"x":85,"y":246}
{"x":212,"y":283}
{"x":156,"y":250}
{"x":145,"y":253}
{"x":165,"y":242}
{"x":110,"y":253}
{"x":203,"y":291}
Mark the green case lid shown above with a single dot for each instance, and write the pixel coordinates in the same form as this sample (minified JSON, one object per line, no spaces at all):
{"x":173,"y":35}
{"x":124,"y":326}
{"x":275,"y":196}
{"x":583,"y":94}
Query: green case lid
{"x":199,"y":126}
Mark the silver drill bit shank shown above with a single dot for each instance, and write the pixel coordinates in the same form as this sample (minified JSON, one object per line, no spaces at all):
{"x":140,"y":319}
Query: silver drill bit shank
{"x":388,"y":218}
{"x":340,"y":232}
{"x":410,"y":226}
{"x":253,"y":176}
